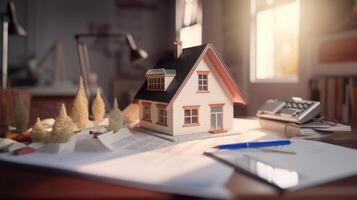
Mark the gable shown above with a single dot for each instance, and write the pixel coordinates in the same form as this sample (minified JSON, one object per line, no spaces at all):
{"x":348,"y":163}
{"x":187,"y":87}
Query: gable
{"x":222,"y":72}
{"x":216,"y":91}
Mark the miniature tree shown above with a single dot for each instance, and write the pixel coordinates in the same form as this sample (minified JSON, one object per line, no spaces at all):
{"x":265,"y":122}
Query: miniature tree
{"x":63,"y":128}
{"x":80,"y":107}
{"x":98,"y":107}
{"x":39,"y":133}
{"x":21,"y":117}
{"x":115,"y":118}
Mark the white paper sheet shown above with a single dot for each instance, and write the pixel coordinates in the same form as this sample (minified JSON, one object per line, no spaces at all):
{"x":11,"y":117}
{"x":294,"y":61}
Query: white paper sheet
{"x":143,"y":160}
{"x":140,"y":160}
{"x":315,"y":162}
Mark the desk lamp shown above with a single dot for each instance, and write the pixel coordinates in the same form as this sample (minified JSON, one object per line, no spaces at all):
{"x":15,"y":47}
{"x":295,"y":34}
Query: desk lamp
{"x":8,"y":98}
{"x":10,"y":26}
{"x":136,"y":53}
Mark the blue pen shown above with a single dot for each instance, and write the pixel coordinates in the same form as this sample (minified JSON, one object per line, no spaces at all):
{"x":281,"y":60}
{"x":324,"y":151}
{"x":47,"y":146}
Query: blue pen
{"x":246,"y":145}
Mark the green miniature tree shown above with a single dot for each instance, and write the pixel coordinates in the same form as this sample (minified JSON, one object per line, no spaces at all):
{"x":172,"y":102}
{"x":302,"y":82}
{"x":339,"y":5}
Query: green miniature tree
{"x":98,"y":107}
{"x":21,"y":117}
{"x":79,"y":112}
{"x":63,"y":128}
{"x":115,"y":118}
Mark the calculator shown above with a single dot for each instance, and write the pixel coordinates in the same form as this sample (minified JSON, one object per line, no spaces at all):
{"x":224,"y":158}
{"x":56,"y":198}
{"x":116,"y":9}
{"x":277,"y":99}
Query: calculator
{"x":296,"y":110}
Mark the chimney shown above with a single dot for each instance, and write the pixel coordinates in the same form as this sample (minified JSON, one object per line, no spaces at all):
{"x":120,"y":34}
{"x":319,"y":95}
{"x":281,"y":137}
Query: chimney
{"x":177,"y":49}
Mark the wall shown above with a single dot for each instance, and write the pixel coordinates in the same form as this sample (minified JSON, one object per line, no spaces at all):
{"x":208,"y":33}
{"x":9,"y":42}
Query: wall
{"x":150,"y":22}
{"x":318,"y":17}
{"x":225,"y":24}
{"x":154,"y":118}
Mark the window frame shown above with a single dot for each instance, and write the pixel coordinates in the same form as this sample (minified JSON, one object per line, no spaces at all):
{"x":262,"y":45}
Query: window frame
{"x":200,"y":86}
{"x":156,"y":83}
{"x":254,"y":10}
{"x":190,"y":110}
{"x":221,"y":106}
{"x":146,"y":114}
{"x":161,"y":107}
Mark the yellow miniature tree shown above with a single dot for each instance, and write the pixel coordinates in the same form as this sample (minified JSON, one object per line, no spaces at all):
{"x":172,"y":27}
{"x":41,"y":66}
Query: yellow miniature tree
{"x":80,"y":107}
{"x":39,"y":133}
{"x":21,"y":117}
{"x":115,"y":118}
{"x":63,"y":128}
{"x":98,"y":107}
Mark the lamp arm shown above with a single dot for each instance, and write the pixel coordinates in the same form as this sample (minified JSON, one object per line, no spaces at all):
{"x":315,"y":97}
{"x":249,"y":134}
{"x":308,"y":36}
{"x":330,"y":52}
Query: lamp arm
{"x":5,"y":39}
{"x":97,"y":35}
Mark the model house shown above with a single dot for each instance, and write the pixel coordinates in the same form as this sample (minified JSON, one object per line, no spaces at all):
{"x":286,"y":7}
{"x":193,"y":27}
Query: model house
{"x":188,"y":91}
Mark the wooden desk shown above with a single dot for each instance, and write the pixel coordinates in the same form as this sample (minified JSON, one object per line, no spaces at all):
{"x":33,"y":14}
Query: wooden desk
{"x":31,"y":182}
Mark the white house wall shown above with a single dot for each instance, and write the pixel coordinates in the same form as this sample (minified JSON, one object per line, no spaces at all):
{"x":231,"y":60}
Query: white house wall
{"x":154,"y":118}
{"x":188,"y":96}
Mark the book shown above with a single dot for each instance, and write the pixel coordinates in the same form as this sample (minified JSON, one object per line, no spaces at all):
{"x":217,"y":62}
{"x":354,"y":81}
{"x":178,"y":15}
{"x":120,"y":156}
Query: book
{"x":338,"y":99}
{"x":321,"y":87}
{"x":353,"y":98}
{"x":330,"y":100}
{"x":345,"y":102}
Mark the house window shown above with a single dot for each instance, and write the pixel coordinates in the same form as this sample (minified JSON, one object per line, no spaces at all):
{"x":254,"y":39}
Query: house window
{"x":202,"y":81}
{"x":161,"y":83}
{"x":156,"y":83}
{"x":191,"y":116}
{"x":147,"y":111}
{"x":162,"y":114}
{"x":217,"y":118}
{"x":275,"y":40}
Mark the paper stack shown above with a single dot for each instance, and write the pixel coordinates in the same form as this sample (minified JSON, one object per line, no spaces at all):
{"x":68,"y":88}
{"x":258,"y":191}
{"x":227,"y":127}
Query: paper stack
{"x":312,"y":129}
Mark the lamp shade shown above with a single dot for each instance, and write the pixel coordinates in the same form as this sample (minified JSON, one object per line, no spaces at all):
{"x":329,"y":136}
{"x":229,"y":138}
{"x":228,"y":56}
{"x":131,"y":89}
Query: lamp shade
{"x":15,"y":28}
{"x":135,"y":53}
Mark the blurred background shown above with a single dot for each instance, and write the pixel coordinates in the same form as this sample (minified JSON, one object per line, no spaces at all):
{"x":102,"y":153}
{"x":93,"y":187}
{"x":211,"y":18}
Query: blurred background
{"x":274,"y":48}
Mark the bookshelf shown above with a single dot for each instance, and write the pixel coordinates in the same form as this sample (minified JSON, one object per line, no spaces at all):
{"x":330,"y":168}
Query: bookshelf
{"x":338,"y":97}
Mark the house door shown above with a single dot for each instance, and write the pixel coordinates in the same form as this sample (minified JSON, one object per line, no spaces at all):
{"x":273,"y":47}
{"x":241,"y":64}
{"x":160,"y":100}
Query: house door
{"x":216,"y":118}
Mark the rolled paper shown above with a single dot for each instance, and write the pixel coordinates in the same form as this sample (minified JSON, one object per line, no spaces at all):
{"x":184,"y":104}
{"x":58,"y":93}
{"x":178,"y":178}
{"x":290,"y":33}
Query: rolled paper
{"x":289,"y":129}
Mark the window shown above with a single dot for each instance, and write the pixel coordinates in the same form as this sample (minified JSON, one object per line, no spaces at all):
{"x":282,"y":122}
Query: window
{"x":202,"y":81}
{"x":162,"y":116}
{"x":191,"y":115}
{"x":275,"y":40}
{"x":156,"y":83}
{"x":147,"y":111}
{"x":216,"y":118}
{"x":189,"y":18}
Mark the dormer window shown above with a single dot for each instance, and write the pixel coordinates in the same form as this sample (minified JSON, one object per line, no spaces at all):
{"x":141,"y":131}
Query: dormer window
{"x":156,"y":83}
{"x":159,"y":79}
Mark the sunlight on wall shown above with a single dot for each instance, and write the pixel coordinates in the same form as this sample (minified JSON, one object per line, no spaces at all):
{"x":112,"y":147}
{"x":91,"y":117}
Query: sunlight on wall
{"x":277,"y":41}
{"x":191,"y":36}
{"x":191,"y":27}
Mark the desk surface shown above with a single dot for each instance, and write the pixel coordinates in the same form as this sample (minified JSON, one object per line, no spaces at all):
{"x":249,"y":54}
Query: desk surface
{"x":25,"y":182}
